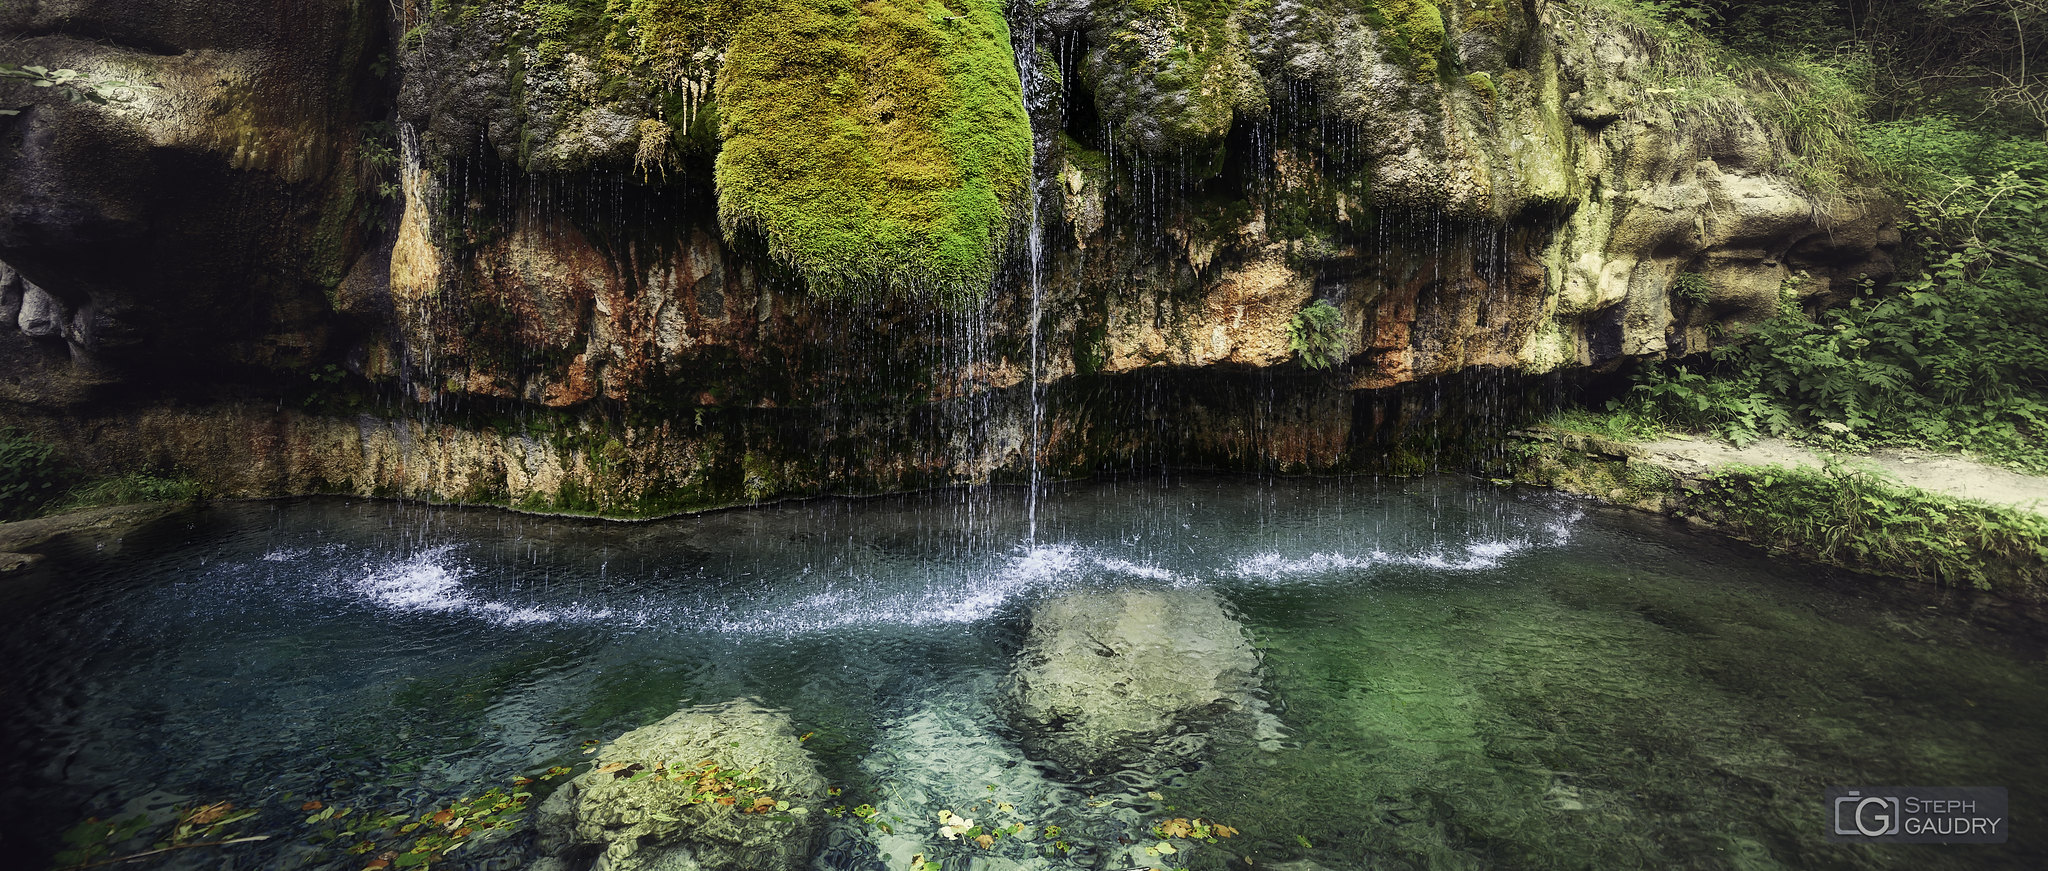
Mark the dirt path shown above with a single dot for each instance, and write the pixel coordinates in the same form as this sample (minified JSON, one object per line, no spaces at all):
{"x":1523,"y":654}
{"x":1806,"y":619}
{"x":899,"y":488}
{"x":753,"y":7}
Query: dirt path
{"x":1937,"y":473}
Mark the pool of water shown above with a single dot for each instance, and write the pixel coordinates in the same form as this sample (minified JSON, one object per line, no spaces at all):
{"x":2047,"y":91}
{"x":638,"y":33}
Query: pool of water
{"x":1452,"y":675}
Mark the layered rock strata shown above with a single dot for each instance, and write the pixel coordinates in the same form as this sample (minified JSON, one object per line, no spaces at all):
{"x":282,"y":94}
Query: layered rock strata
{"x":653,"y":255}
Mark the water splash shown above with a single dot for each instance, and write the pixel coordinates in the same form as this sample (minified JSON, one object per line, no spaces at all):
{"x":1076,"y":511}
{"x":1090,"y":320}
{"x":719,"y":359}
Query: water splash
{"x":790,"y":595}
{"x":432,"y":582}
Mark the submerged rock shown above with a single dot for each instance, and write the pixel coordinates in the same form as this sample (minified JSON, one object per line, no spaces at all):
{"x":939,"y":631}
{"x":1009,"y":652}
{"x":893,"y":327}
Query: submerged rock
{"x":610,"y":821}
{"x":1105,"y":673}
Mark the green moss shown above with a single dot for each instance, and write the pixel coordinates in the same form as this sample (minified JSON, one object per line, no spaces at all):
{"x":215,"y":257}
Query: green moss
{"x":335,"y":237}
{"x":1201,"y":65}
{"x":1413,"y":33}
{"x":1482,"y":84}
{"x":1592,"y":464}
{"x":1087,"y":160}
{"x":670,"y":34}
{"x":1482,"y":14}
{"x":563,"y":24}
{"x":878,"y":146}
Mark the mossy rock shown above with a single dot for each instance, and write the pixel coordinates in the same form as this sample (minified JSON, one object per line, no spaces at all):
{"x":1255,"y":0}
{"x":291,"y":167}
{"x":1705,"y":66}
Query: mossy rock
{"x":879,"y":146}
{"x":1103,"y":675}
{"x":1172,"y":77}
{"x":1413,"y":31}
{"x":624,"y":818}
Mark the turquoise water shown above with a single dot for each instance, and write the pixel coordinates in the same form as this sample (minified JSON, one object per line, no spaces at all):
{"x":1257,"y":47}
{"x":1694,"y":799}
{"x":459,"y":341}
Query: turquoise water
{"x":1453,"y":675}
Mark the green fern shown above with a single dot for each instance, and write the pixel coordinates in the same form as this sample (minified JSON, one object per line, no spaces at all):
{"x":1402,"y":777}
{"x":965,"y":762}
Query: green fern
{"x":1317,"y":334}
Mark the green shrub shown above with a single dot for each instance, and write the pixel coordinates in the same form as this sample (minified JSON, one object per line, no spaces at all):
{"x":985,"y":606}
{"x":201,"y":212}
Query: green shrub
{"x":1955,"y":358}
{"x":30,"y":474}
{"x":129,"y":489}
{"x":1317,"y":334}
{"x":1853,"y":519}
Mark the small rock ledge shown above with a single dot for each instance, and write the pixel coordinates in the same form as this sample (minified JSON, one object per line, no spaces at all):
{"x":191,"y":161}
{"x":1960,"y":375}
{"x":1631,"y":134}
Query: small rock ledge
{"x":1962,"y":525}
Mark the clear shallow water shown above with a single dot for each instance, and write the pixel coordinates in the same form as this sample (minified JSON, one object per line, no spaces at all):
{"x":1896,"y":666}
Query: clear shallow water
{"x":1455,"y":676}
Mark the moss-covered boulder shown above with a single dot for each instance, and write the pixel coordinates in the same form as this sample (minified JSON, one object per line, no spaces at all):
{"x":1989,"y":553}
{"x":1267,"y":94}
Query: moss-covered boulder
{"x":878,"y":144}
{"x":645,"y":803}
{"x":1172,"y":77}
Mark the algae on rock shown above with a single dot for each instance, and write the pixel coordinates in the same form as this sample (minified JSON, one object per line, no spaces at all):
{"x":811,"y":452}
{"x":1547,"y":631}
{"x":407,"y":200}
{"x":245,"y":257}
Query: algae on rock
{"x":1104,"y":674}
{"x":624,"y":822}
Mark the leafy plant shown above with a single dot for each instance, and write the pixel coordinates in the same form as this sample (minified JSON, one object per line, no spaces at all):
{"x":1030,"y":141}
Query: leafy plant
{"x":30,"y":474}
{"x":130,"y":489}
{"x":1847,"y":517}
{"x":1318,"y":335}
{"x":1953,"y":358}
{"x":1691,"y":288}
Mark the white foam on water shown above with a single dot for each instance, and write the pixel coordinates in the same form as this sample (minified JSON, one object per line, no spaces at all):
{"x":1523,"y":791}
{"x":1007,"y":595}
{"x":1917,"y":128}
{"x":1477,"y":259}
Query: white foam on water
{"x":1275,"y":567}
{"x":436,"y":581}
{"x":957,"y":595}
{"x":960,"y":596}
{"x":1472,"y":556}
{"x":432,"y":582}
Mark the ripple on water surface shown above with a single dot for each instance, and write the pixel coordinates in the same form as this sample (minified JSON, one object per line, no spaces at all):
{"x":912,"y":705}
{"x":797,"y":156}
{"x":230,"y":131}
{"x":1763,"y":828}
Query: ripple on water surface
{"x":1451,"y":675}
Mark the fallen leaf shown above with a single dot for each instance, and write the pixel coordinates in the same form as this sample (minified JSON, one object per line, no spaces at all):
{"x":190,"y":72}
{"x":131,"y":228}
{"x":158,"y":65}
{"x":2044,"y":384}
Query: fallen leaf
{"x":210,"y":814}
{"x":376,"y":864}
{"x":311,"y":806}
{"x":444,"y":816}
{"x":610,"y":767}
{"x":986,"y":841}
{"x":1223,"y":831}
{"x":521,"y":781}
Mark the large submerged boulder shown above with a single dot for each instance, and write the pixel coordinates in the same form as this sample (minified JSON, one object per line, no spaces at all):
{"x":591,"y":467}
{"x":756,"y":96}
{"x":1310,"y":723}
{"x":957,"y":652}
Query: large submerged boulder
{"x":615,"y":818}
{"x":1106,"y":675}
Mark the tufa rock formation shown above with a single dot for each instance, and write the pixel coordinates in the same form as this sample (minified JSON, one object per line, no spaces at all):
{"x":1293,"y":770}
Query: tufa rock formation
{"x":645,"y":256}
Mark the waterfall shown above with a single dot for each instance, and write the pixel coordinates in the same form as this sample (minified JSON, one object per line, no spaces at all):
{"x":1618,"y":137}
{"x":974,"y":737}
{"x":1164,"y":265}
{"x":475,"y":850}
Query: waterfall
{"x":1032,"y":83}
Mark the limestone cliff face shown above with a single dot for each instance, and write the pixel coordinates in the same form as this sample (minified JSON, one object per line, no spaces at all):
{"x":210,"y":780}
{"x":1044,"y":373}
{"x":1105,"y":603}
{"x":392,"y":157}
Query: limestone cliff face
{"x":611,"y":256}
